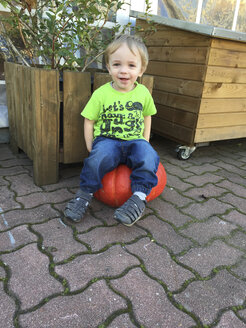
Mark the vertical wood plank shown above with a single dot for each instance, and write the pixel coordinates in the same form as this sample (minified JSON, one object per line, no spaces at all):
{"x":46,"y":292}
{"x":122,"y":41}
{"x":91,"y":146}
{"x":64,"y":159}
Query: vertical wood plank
{"x":148,"y":81}
{"x":76,"y":93}
{"x":10,"y":74}
{"x":45,"y":138}
{"x":100,"y":79}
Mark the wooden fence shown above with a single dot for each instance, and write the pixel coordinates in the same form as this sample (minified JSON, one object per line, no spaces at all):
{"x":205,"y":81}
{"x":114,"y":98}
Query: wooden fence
{"x":44,"y":121}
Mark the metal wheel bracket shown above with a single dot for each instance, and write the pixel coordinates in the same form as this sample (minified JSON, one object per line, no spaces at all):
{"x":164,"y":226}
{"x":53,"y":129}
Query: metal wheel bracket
{"x":184,"y":152}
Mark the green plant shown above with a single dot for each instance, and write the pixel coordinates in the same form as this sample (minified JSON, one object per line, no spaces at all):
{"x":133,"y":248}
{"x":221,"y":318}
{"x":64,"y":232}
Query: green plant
{"x":54,"y":32}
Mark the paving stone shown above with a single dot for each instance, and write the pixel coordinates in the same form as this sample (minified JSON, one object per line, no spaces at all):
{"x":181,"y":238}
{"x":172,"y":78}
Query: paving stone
{"x":202,"y":168}
{"x":172,"y":196}
{"x":232,"y":177}
{"x":235,"y":188}
{"x":16,"y":237}
{"x":14,"y":170}
{"x":7,"y":201}
{"x":200,"y":180}
{"x":230,"y":320}
{"x":88,"y":309}
{"x":176,"y":171}
{"x":58,"y":240}
{"x":175,"y":182}
{"x":240,"y":269}
{"x":6,"y":153}
{"x":7,"y":309}
{"x":231,"y":168}
{"x":208,"y":191}
{"x":24,"y":216}
{"x":164,"y":234}
{"x":238,"y":202}
{"x":169,"y":212}
{"x":72,"y":182}
{"x":150,"y":305}
{"x":122,"y":321}
{"x":23,"y":184}
{"x":2,"y":273}
{"x":215,"y":294}
{"x":206,"y":209}
{"x":41,"y":198}
{"x":29,"y":273}
{"x":103,"y":236}
{"x":105,"y":213}
{"x":238,"y":239}
{"x":90,"y":266}
{"x":236,"y":218}
{"x":203,"y":260}
{"x":159,"y":263}
{"x":242,"y":314}
{"x":3,"y":182}
{"x":16,"y":162}
{"x":202,"y":232}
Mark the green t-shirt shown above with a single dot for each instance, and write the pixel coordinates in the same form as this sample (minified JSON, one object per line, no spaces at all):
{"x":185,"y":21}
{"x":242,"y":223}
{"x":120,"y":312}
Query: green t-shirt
{"x":119,"y":115}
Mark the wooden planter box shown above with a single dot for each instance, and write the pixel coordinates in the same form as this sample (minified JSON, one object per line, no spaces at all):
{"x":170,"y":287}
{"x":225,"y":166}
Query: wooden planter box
{"x":199,"y":81}
{"x":45,"y":122}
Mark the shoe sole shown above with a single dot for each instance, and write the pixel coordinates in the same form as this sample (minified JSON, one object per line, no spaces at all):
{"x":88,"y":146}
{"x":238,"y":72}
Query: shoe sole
{"x":128,"y":224}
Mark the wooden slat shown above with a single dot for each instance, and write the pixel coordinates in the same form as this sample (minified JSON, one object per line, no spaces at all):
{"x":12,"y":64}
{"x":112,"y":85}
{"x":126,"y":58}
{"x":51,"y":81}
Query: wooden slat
{"x":173,"y":131}
{"x":10,"y":76}
{"x":77,"y":91}
{"x":19,"y":106}
{"x":225,"y":57}
{"x":176,"y":37}
{"x":147,"y":81}
{"x":226,"y":74}
{"x":187,"y":103}
{"x":224,"y":90}
{"x":195,"y":55}
{"x":222,"y":133}
{"x":228,"y":44}
{"x":221,"y":119}
{"x":27,"y":112}
{"x":177,"y":70}
{"x":100,"y":79}
{"x":45,"y":93}
{"x":176,"y":116}
{"x":179,"y":86}
{"x":228,"y":105}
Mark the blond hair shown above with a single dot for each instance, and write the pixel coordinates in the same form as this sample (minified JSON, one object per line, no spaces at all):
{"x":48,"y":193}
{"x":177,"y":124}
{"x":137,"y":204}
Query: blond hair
{"x":132,"y":42}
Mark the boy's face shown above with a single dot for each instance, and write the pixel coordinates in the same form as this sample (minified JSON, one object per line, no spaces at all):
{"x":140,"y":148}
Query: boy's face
{"x":125,"y":67}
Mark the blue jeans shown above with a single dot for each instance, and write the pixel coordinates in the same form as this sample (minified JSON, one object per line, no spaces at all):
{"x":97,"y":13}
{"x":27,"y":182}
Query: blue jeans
{"x":108,"y":153}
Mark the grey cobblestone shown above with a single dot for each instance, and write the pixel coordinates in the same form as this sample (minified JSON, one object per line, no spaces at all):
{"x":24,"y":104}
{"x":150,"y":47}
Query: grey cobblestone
{"x":7,"y":309}
{"x":230,"y":320}
{"x":202,"y":232}
{"x":145,"y":304}
{"x":30,"y":279}
{"x":218,"y":293}
{"x":205,"y":259}
{"x":182,"y":265}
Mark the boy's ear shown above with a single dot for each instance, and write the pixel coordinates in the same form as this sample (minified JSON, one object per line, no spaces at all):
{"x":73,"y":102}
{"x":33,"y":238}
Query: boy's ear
{"x":141,"y":73}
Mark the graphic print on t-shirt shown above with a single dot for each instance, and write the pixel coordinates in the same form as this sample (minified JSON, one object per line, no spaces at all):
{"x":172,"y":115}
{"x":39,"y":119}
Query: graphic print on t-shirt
{"x":126,"y":119}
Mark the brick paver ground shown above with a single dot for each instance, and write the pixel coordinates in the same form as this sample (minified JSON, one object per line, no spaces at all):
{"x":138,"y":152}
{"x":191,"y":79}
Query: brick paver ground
{"x":182,"y":265}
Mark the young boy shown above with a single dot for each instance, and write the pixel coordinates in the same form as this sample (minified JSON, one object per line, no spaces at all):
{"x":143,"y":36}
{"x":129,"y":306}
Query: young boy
{"x":117,"y":122}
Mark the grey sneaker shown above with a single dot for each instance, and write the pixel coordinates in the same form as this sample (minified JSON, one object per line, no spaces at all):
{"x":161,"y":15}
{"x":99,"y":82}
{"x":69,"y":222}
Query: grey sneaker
{"x":131,"y":211}
{"x":76,"y":208}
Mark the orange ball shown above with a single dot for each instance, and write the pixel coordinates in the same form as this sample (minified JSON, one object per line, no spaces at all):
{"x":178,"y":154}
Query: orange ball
{"x":116,"y":186}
